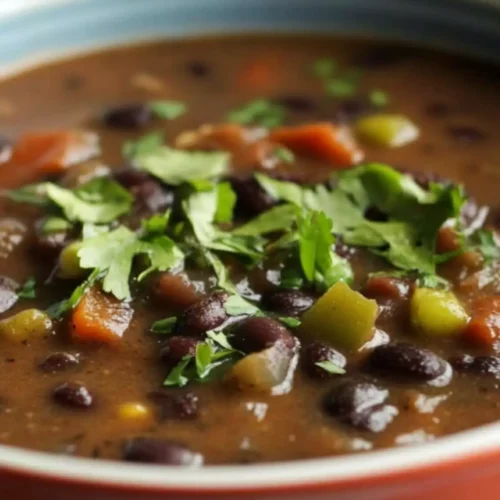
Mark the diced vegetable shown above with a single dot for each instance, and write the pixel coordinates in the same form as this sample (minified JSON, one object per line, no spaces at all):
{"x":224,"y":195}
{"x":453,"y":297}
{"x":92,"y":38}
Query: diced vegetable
{"x":259,"y":75}
{"x":134,"y":412}
{"x":39,"y":154}
{"x":269,"y":371}
{"x":26,"y":325}
{"x":69,"y":262}
{"x":342,"y":317}
{"x":437,"y":313}
{"x":175,"y":290}
{"x":392,"y":131}
{"x":99,"y":317}
{"x":484,"y":326}
{"x":322,"y":141}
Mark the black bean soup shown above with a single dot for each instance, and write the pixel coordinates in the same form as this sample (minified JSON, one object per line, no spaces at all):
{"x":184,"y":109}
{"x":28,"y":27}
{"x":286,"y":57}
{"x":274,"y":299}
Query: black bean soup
{"x":279,"y":251}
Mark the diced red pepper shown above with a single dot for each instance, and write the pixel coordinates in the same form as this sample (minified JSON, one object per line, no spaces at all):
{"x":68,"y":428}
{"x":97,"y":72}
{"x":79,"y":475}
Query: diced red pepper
{"x":484,"y":327}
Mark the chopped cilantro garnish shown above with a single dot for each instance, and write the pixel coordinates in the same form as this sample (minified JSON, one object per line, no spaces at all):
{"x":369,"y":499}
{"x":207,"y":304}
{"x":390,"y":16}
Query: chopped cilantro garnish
{"x":174,"y":166}
{"x":226,"y":200}
{"x":55,"y":225}
{"x":289,"y":321}
{"x":28,"y":289}
{"x":143,"y":146}
{"x":167,"y":110}
{"x":324,"y":68}
{"x":156,"y":224}
{"x":340,"y":88}
{"x":33,"y":194}
{"x":279,"y":218}
{"x":260,"y":112}
{"x":238,"y":306}
{"x":331,"y":367}
{"x":284,"y":154}
{"x":164,"y":325}
{"x":379,"y":98}
{"x":114,"y":252}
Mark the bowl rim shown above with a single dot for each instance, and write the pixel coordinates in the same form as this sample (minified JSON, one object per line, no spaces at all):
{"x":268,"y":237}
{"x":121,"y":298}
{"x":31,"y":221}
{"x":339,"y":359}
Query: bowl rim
{"x":467,"y":447}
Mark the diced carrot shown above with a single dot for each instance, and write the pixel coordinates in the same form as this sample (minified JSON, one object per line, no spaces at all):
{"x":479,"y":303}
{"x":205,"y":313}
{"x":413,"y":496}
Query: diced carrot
{"x":322,"y":141}
{"x":38,"y":154}
{"x":484,"y":327}
{"x":99,"y":317}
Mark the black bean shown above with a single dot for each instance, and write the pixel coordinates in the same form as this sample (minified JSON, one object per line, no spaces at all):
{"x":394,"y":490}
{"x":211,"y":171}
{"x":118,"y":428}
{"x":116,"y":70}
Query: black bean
{"x":176,"y":348}
{"x":73,"y":395}
{"x":160,"y":451}
{"x":199,"y":69}
{"x":252,"y":199}
{"x":487,"y":365}
{"x":407,"y":361}
{"x":351,"y":109}
{"x":58,"y":362}
{"x":318,"y":352}
{"x":8,"y":294}
{"x":361,"y":404}
{"x":133,"y":116}
{"x":466,"y":134}
{"x":297,"y":103}
{"x":288,"y":302}
{"x":374,"y":214}
{"x":129,"y":177}
{"x":175,"y":406}
{"x":204,"y":315}
{"x":259,"y":333}
{"x":151,"y":196}
{"x":50,"y":244}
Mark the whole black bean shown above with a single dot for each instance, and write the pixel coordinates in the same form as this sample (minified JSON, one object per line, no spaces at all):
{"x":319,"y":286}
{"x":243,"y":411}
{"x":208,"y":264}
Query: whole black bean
{"x":288,"y":302}
{"x":160,"y":451}
{"x":259,"y":333}
{"x":361,"y":404}
{"x":73,"y":395}
{"x":8,"y":294}
{"x":151,"y":196}
{"x":349,"y":110}
{"x":133,"y":116}
{"x":407,"y":361}
{"x":199,"y":68}
{"x":318,"y":352}
{"x":252,"y":199}
{"x":58,"y":362}
{"x":176,"y":348}
{"x":175,"y":406}
{"x":297,"y":103}
{"x":485,"y":365}
{"x":204,"y":315}
{"x":466,"y":134}
{"x":129,"y":177}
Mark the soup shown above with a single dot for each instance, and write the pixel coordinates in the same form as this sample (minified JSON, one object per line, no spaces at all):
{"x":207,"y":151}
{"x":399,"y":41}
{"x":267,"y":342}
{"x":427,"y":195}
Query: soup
{"x":248,"y":249}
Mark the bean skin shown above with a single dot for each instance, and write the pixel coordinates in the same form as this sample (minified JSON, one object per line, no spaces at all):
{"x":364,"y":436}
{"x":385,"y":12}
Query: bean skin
{"x":58,"y":362}
{"x":259,"y":333}
{"x":175,"y":406}
{"x":135,"y":116}
{"x":204,"y":315}
{"x":252,"y":199}
{"x":484,"y":365}
{"x":407,"y":361}
{"x":317,"y":352}
{"x":160,"y":451}
{"x":288,"y":302}
{"x":73,"y":395}
{"x":176,"y":348}
{"x":361,"y":404}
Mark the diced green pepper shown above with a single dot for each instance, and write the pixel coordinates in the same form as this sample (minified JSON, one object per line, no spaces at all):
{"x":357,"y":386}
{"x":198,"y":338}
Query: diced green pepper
{"x":437,"y":313}
{"x":342,"y":317}
{"x":25,"y":325}
{"x":69,"y":262}
{"x":392,"y":131}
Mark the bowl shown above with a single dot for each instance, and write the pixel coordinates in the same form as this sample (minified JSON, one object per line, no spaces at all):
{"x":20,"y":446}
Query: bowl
{"x":463,"y":466}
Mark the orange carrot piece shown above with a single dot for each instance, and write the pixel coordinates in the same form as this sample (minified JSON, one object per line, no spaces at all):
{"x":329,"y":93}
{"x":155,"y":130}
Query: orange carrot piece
{"x":484,"y":327}
{"x":38,"y":154}
{"x":99,"y":317}
{"x":322,"y":141}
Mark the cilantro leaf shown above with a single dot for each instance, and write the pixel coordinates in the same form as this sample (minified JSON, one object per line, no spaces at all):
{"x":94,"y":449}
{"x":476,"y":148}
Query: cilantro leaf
{"x":114,"y":252}
{"x":259,"y":112}
{"x":331,"y":367}
{"x":176,"y":377}
{"x":156,"y":224}
{"x":28,"y":289}
{"x":285,"y":155}
{"x":281,"y":190}
{"x":219,"y":338}
{"x":167,"y":110}
{"x":33,"y":194}
{"x":289,"y":321}
{"x":55,"y":225}
{"x":238,"y":306}
{"x":226,"y":200}
{"x":174,"y":166}
{"x":143,"y":146}
{"x":379,"y":98}
{"x":58,"y":310}
{"x":279,"y":218}
{"x":166,"y":325}
{"x":324,"y":68}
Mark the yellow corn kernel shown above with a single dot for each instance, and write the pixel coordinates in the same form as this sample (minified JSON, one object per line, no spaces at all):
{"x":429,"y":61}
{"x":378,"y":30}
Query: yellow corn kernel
{"x":392,"y":131}
{"x":134,"y":411}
